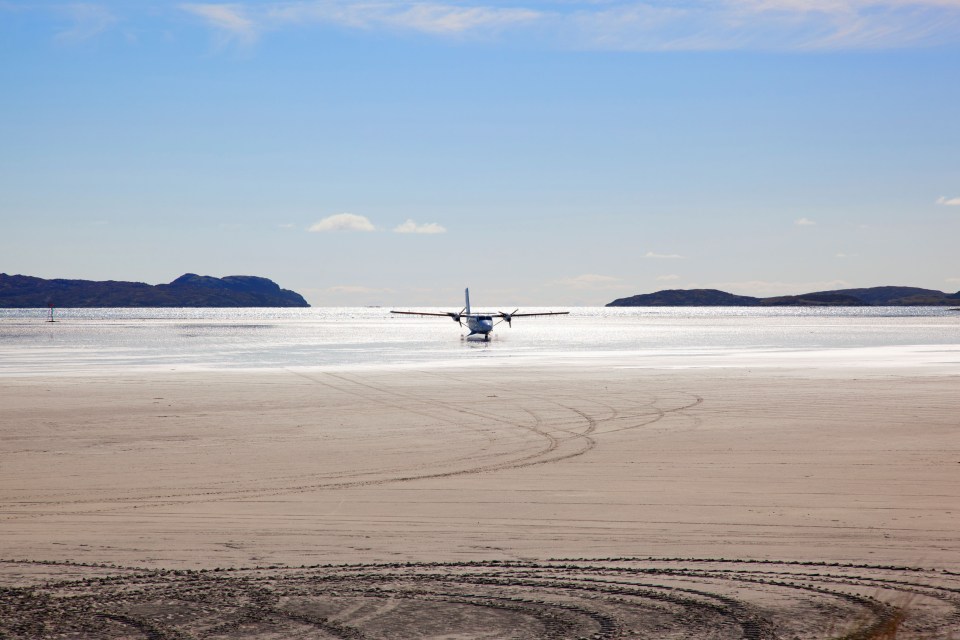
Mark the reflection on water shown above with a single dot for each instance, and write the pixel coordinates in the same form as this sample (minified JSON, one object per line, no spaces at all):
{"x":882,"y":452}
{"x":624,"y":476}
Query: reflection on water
{"x":118,"y":339}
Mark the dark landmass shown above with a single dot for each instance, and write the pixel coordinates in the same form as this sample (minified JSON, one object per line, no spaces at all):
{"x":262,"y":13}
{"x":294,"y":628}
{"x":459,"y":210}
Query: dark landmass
{"x":189,"y":290}
{"x":687,"y":298}
{"x":869,"y":297}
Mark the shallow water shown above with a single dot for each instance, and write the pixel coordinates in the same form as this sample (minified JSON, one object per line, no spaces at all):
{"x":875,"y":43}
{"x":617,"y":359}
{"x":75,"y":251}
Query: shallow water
{"x":117,"y":340}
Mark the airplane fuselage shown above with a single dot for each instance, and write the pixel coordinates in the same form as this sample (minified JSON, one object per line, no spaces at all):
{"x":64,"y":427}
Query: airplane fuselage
{"x":481,"y":325}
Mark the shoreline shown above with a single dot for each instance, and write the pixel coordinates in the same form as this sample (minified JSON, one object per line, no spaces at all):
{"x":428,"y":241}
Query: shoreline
{"x":921,"y":359}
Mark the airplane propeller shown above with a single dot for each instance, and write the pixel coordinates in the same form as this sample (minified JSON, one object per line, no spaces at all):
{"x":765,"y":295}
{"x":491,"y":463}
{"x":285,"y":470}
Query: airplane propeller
{"x":456,"y":316}
{"x":508,"y":317}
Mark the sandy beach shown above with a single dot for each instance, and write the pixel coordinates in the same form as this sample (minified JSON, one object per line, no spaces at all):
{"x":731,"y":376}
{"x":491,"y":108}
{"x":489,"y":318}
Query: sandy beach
{"x":516,"y":501}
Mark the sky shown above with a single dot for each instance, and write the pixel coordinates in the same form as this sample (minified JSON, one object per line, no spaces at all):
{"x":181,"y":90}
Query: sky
{"x":543,"y":153}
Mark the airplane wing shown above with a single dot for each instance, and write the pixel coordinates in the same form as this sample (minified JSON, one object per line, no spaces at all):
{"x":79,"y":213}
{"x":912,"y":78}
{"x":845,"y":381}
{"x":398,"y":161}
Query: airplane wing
{"x":527,"y":315}
{"x":448,"y":314}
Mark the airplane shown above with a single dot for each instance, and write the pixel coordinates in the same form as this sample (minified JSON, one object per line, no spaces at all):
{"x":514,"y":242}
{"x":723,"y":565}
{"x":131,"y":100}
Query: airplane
{"x":481,"y":323}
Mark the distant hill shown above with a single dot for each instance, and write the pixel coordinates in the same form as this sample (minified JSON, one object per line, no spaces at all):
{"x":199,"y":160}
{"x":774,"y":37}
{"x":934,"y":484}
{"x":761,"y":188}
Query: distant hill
{"x":874,"y":296}
{"x":687,"y":298}
{"x":189,"y":290}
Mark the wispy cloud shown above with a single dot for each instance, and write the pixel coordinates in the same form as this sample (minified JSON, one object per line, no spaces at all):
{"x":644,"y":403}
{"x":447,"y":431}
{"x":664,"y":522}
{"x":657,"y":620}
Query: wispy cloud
{"x":411,"y":226}
{"x":623,"y":25}
{"x":950,"y":202}
{"x":592,"y":281}
{"x":229,"y":20}
{"x":87,"y":21}
{"x":668,"y":277}
{"x":354,"y":222}
{"x":342,"y":222}
{"x":804,"y":222}
{"x":781,"y":25}
{"x":653,"y":255}
{"x":604,"y":25}
{"x":427,"y":17}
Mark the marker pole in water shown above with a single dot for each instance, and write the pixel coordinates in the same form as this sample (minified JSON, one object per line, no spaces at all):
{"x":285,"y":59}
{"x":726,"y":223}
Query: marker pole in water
{"x":50,"y":319}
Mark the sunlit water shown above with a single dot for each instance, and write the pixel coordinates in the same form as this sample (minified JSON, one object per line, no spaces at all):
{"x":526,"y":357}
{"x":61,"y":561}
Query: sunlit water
{"x":116,"y":340}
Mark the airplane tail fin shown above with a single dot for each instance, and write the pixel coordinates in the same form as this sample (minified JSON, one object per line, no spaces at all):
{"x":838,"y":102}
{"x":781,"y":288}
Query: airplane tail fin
{"x":466,"y":294}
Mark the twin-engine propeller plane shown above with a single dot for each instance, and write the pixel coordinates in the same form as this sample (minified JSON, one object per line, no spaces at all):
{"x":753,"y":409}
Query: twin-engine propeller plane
{"x":481,"y":323}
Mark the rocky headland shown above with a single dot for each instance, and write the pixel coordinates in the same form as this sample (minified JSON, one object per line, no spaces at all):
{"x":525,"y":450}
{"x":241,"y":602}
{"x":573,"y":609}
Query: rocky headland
{"x":868,"y":297}
{"x":189,"y":290}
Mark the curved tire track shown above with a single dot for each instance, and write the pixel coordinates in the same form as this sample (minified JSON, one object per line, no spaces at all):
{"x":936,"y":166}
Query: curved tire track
{"x":559,"y":599}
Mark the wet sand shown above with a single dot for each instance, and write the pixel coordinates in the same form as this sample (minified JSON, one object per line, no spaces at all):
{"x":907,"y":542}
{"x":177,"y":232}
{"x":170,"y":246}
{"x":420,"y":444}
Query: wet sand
{"x":554,"y":501}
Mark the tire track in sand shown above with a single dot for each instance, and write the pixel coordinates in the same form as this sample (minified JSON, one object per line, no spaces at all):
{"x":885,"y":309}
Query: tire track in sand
{"x":602,"y":598}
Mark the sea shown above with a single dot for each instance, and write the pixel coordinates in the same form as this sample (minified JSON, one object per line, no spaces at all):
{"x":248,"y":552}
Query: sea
{"x":116,"y":341}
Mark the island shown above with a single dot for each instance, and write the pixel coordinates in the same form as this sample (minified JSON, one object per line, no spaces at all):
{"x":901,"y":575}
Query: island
{"x":868,"y":297}
{"x":189,"y":290}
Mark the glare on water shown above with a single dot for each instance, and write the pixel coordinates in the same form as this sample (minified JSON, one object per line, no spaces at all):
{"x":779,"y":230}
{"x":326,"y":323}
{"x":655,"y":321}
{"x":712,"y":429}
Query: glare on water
{"x":106,"y":340}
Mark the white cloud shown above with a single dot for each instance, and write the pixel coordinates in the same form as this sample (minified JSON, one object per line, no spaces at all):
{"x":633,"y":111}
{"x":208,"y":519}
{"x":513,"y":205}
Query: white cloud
{"x":342,"y":222}
{"x":426,"y":17}
{"x":89,"y":21}
{"x":668,"y":277}
{"x":592,"y":281}
{"x":953,"y":280}
{"x":446,"y":19}
{"x":412,"y":227}
{"x":662,"y":256}
{"x":230,"y":20}
{"x":950,"y":202}
{"x":621,"y":25}
{"x":783,"y":25}
{"x":804,"y":222}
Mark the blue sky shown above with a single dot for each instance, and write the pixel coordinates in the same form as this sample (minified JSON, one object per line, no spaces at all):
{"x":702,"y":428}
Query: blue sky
{"x":542,"y":153}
